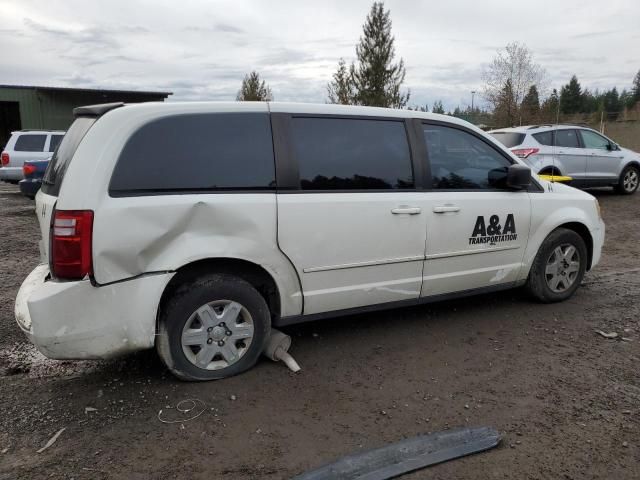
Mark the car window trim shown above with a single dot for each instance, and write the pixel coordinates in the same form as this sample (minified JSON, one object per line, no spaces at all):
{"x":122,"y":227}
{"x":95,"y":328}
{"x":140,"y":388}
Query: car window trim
{"x":287,"y":168}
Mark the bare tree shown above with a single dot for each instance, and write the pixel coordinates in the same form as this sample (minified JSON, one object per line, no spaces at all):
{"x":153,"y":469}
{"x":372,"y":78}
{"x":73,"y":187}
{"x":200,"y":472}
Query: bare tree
{"x":514,"y":66}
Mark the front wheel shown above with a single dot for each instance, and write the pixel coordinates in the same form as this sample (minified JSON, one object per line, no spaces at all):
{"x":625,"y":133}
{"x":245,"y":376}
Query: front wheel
{"x":558,"y":267}
{"x":212,"y":328}
{"x":629,"y":180}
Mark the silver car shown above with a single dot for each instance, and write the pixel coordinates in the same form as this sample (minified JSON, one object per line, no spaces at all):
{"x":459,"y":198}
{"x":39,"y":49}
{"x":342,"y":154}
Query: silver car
{"x":26,"y":145}
{"x":585,"y":155}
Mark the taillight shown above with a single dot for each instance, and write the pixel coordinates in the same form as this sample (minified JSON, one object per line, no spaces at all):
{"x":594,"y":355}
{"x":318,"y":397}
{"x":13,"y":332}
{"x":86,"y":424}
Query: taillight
{"x":71,"y":244}
{"x":28,"y":170}
{"x":4,"y":158}
{"x":525,"y":152}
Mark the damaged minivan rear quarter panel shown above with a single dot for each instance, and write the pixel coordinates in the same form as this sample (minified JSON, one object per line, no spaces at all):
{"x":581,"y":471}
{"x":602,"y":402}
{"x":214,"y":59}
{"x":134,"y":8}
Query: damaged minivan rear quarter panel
{"x":138,"y":235}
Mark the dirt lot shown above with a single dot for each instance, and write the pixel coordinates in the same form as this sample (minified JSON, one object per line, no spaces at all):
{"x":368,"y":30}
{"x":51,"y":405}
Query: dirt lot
{"x":566,"y":400}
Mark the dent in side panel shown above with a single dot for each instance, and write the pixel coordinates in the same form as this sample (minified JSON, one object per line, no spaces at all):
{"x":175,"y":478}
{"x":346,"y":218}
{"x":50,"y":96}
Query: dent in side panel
{"x":137,"y":235}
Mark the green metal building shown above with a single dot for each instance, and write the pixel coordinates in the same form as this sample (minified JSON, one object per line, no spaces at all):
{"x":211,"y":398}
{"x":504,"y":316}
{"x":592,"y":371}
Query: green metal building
{"x":50,"y":108}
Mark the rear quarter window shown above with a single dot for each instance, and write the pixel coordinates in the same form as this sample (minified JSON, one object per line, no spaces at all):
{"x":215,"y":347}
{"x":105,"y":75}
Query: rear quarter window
{"x":197,"y":152}
{"x":544,"y":138}
{"x":30,"y":143}
{"x":509,"y":139}
{"x":62,"y":157}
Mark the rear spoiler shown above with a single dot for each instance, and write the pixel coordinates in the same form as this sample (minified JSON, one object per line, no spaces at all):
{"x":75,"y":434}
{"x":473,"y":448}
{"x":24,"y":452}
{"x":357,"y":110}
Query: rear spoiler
{"x":96,"y":110}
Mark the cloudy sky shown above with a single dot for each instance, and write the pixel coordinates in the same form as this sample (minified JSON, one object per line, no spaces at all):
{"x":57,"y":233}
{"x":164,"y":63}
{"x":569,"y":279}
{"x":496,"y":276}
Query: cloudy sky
{"x":201,"y":49}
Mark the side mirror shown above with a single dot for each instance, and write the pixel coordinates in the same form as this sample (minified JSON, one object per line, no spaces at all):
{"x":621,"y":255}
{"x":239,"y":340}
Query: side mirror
{"x":611,"y":146}
{"x":518,"y":177}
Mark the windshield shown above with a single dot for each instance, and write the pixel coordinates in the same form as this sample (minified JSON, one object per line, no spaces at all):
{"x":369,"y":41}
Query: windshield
{"x":63,"y":154}
{"x":509,"y":139}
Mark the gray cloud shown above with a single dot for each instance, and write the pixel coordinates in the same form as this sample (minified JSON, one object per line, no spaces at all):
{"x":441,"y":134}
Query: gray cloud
{"x":204,"y":49}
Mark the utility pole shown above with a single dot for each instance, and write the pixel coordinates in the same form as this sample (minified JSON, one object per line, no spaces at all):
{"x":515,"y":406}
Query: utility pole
{"x":473,"y":92}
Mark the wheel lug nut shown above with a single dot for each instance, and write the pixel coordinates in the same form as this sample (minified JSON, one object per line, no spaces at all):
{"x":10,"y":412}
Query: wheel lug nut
{"x":221,"y":343}
{"x":222,"y":324}
{"x":228,"y":332}
{"x":209,"y":341}
{"x":209,"y":329}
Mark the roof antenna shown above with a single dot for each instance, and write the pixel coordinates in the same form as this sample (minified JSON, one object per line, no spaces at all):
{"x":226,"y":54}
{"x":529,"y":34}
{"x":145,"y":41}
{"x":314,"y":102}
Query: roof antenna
{"x":553,"y":141}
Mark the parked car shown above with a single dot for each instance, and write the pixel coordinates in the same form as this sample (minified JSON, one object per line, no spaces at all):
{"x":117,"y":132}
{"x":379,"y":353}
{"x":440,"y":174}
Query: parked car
{"x":26,"y":145}
{"x":196,"y":227}
{"x":585,"y":155}
{"x":33,"y":173}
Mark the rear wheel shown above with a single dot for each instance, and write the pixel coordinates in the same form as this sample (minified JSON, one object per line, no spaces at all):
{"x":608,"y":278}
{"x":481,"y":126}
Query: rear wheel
{"x":559,"y":266}
{"x":629,"y":180}
{"x":212,"y":328}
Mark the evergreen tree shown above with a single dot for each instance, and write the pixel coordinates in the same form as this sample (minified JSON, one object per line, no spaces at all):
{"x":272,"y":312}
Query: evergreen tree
{"x":571,"y":96}
{"x":376,"y":78}
{"x":254,"y":89}
{"x":506,"y":109}
{"x":340,"y":89}
{"x":635,"y":90}
{"x":549,"y":108}
{"x":612,"y":101}
{"x":530,"y":108}
{"x":437,"y":107}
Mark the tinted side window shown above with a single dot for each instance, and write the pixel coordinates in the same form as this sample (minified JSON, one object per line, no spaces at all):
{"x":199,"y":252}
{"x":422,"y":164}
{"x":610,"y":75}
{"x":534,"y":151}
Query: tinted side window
{"x":593,"y":140}
{"x":55,"y":141}
{"x":509,"y":139}
{"x":30,"y":143}
{"x":61,"y":159}
{"x":567,"y":138}
{"x":544,"y":138}
{"x":460,"y":160}
{"x":345,"y":154}
{"x":214,"y":151}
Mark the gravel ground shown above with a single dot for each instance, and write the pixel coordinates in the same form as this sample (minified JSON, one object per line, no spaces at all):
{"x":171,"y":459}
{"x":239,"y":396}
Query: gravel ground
{"x":566,"y":400}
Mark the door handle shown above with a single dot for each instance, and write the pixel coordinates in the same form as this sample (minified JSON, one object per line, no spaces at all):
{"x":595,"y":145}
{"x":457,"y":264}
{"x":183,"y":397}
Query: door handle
{"x":406,"y":210}
{"x":446,"y":208}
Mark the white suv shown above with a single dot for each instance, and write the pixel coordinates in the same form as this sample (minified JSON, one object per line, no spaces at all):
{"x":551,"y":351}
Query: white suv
{"x":26,"y":145}
{"x":196,"y":227}
{"x":588,"y":157}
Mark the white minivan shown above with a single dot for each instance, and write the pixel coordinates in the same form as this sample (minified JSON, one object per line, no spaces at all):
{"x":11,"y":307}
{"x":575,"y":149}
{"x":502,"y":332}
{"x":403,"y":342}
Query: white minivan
{"x":196,"y":227}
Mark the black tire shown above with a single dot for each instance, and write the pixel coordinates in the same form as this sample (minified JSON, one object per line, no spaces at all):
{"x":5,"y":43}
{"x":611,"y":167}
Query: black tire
{"x":625,"y":190}
{"x":185,"y":300}
{"x":537,"y":283}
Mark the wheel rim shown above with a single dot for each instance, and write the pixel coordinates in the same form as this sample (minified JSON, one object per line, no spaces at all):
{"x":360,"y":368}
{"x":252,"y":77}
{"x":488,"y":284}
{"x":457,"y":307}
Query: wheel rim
{"x":217,"y":335}
{"x":563,"y":267}
{"x":630,"y":180}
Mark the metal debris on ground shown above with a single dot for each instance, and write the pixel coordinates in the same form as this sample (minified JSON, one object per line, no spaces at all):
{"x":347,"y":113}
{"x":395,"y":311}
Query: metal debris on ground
{"x":607,"y":335}
{"x":52,"y":440}
{"x":191,"y":408}
{"x":407,"y":455}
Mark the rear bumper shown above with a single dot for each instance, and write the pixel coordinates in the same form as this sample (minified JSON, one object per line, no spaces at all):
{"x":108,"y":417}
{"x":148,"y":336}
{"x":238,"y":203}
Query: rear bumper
{"x":30,"y":186}
{"x":76,"y":320}
{"x":11,"y":174}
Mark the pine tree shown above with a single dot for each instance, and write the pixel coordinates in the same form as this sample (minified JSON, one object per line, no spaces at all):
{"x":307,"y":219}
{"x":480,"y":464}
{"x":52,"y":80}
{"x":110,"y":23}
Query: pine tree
{"x":635,"y":90}
{"x":254,"y":90}
{"x":530,"y":108}
{"x":549,"y":108}
{"x":376,"y":79}
{"x":612,"y":101}
{"x":340,"y":89}
{"x":506,"y":108}
{"x":571,"y":96}
{"x":437,"y":107}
